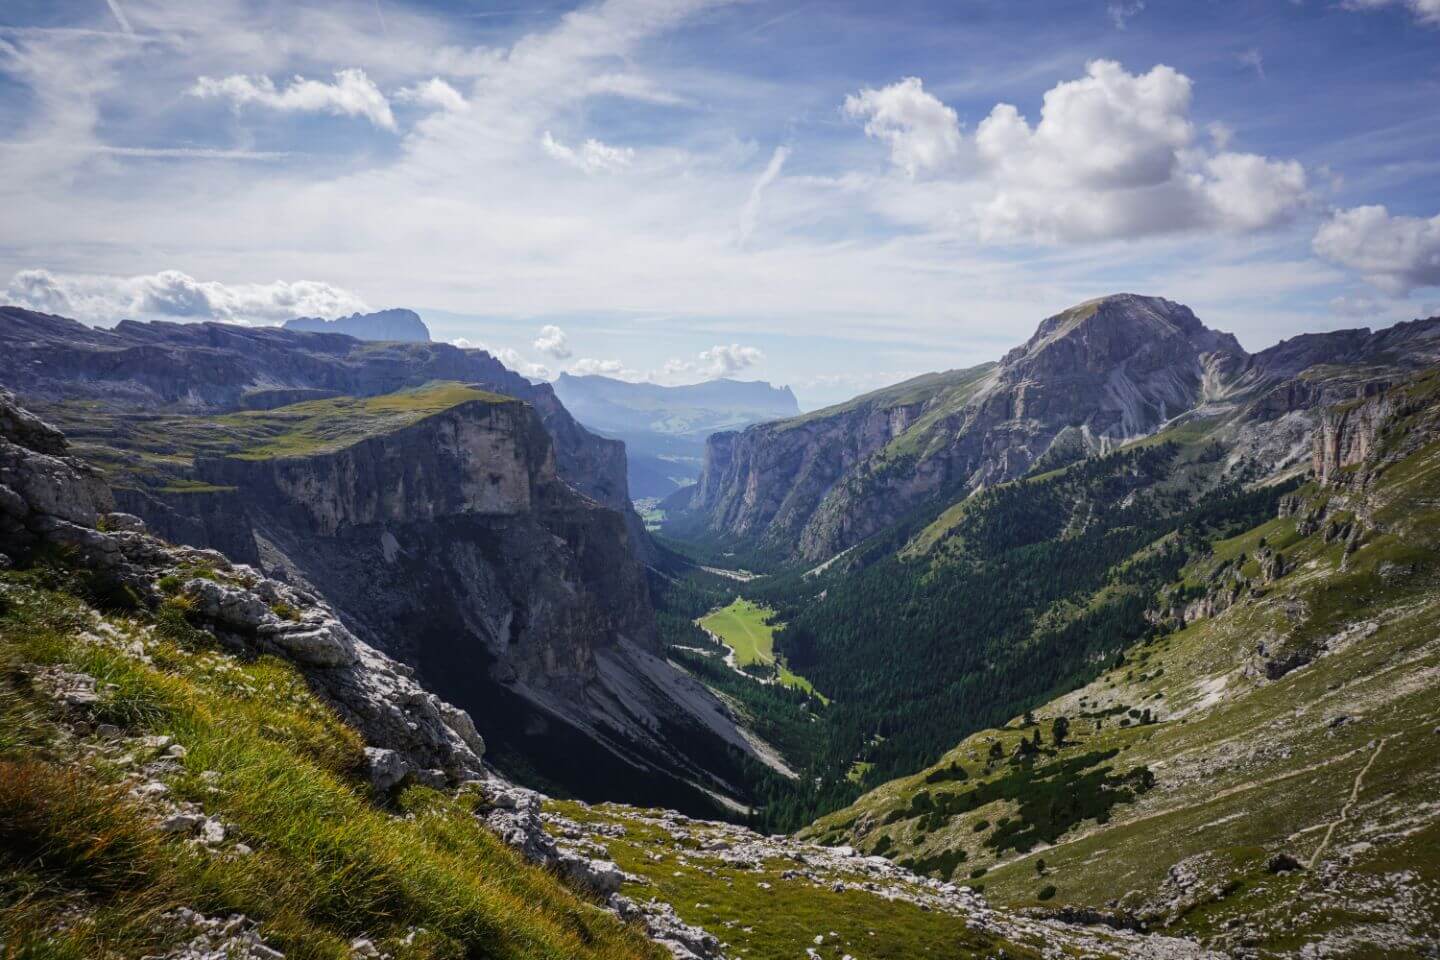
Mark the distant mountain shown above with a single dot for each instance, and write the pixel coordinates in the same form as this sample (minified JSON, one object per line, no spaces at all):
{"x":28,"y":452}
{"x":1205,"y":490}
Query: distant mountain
{"x":399,"y":325}
{"x":665,"y":428}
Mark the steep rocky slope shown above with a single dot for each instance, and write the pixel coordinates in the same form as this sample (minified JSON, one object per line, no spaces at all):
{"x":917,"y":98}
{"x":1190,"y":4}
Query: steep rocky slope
{"x":1090,"y":379}
{"x":439,"y":520}
{"x":1259,"y":771}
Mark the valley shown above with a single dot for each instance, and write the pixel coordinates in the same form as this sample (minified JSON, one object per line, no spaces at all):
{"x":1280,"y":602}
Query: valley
{"x":1147,"y":690}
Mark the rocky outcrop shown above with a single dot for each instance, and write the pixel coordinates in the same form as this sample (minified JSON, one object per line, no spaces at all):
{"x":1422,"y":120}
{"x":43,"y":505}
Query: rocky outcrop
{"x":1347,"y":435}
{"x":50,"y":500}
{"x":396,"y":325}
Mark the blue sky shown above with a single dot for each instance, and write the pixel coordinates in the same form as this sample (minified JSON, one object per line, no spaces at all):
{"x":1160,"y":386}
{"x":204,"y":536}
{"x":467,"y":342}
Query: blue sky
{"x":833,"y":195}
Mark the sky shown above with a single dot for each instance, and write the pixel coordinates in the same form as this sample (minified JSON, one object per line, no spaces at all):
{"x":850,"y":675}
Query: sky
{"x":830,"y":194}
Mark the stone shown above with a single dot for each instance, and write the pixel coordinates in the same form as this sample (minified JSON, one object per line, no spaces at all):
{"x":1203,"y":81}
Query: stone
{"x":386,"y":767}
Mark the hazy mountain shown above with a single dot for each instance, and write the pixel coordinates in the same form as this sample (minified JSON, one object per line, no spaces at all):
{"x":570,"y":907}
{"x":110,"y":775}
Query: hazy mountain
{"x":664,"y":428}
{"x":398,"y":324}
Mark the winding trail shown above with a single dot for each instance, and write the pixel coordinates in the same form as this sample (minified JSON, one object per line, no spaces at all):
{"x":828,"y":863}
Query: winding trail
{"x":1345,"y":810}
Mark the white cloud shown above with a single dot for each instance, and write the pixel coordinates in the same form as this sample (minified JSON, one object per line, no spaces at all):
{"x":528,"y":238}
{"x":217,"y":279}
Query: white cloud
{"x":923,"y":133}
{"x":171,"y":294}
{"x":591,"y":367}
{"x":717,"y":361}
{"x":552,"y":340}
{"x":1113,"y":154}
{"x":434,"y":93}
{"x":592,"y":156}
{"x":353,"y":94}
{"x":633,"y":86}
{"x":1426,"y":11}
{"x":1395,"y":253}
{"x":750,"y":213}
{"x":1122,"y":10}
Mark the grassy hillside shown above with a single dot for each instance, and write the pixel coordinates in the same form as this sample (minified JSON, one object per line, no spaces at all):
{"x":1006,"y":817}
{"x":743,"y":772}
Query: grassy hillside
{"x":138,"y":449}
{"x":773,"y":898}
{"x":1261,"y":773}
{"x":112,"y":721}
{"x":956,"y":619}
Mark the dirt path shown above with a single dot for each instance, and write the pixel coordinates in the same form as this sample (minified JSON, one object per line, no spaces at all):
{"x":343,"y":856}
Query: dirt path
{"x":1345,"y":810}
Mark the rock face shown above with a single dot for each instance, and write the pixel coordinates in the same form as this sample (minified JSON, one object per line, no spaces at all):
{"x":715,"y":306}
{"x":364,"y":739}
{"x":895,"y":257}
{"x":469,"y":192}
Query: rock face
{"x":397,"y":325}
{"x":1090,"y":379}
{"x":49,"y":499}
{"x":1347,"y":434}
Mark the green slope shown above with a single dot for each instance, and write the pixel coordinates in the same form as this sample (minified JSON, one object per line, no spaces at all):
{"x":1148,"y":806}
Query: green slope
{"x":85,"y":873}
{"x":1295,"y":718}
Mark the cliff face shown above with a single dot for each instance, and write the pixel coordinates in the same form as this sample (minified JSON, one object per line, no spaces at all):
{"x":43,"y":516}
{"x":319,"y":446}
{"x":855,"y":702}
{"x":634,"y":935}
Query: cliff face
{"x":452,"y":544}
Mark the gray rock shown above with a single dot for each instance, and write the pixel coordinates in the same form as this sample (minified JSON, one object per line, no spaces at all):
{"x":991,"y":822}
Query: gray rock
{"x":386,"y":767}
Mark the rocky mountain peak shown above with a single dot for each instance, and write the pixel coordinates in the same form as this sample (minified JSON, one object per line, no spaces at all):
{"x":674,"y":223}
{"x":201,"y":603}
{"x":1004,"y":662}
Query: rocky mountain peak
{"x":396,"y":324}
{"x":1109,"y":330}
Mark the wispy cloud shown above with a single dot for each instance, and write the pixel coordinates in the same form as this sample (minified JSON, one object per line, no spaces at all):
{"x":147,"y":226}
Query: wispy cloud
{"x":119,"y":13}
{"x":750,"y":213}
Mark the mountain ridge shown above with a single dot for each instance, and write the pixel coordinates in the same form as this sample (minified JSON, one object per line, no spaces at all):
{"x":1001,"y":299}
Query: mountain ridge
{"x":397,"y":324}
{"x":1089,"y":379}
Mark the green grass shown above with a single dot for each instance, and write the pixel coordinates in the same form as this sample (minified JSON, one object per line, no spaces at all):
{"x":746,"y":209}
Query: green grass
{"x":781,"y":922}
{"x":159,"y":450}
{"x":330,"y":861}
{"x":746,"y":628}
{"x":323,"y":426}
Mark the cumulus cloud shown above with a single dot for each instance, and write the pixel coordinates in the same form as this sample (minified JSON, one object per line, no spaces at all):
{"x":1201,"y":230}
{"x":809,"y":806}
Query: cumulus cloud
{"x":552,"y":340}
{"x":591,"y":367}
{"x":1113,"y":154}
{"x":434,"y":93}
{"x":1426,"y":11}
{"x":353,"y":94}
{"x":173,"y":295}
{"x":1395,"y":253}
{"x":923,"y":133}
{"x":592,"y":156}
{"x":718,"y":361}
{"x":750,"y":213}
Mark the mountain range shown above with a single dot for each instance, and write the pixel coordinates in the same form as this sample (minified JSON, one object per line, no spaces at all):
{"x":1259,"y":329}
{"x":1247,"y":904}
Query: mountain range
{"x":664,"y":427}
